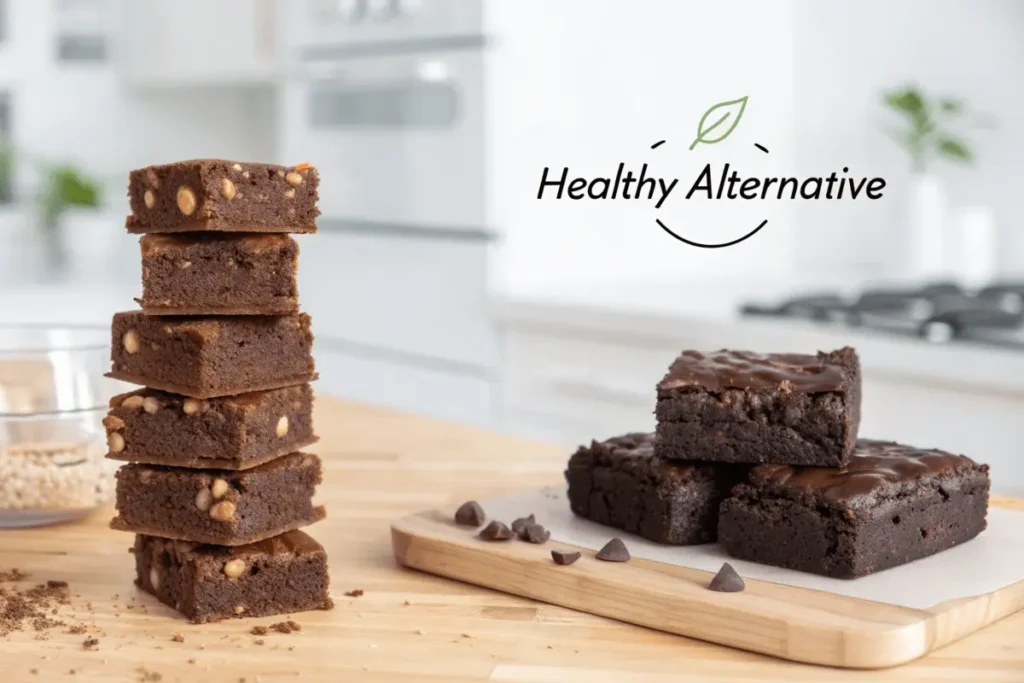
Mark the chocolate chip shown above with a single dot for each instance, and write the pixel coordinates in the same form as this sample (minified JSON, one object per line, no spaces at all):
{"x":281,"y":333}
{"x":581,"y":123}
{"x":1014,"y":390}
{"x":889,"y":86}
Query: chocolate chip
{"x":470,"y":514}
{"x":535,"y":533}
{"x":565,"y":557}
{"x":727,"y":580}
{"x":519,"y":525}
{"x":496,"y":531}
{"x":614,"y":551}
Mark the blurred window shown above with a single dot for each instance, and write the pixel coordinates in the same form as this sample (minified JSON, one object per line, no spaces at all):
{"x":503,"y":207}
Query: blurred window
{"x":80,"y":31}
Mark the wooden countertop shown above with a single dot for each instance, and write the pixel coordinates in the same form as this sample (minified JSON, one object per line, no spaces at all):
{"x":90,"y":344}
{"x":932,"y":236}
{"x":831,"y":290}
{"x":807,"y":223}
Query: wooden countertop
{"x":406,"y":626}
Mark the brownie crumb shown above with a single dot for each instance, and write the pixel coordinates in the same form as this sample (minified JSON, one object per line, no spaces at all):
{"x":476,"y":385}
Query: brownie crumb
{"x":90,"y":644}
{"x":148,"y":676}
{"x":259,"y":641}
{"x":614,"y":551}
{"x":77,"y":630}
{"x":295,"y":626}
{"x":519,"y":525}
{"x":565,"y":557}
{"x":496,"y":531}
{"x":56,"y":584}
{"x":13,"y":576}
{"x":178,"y":638}
{"x":190,"y":660}
{"x":285,"y":627}
{"x":34,"y":672}
{"x":470,"y":514}
{"x":30,"y":607}
{"x":259,"y":630}
{"x":356,"y":593}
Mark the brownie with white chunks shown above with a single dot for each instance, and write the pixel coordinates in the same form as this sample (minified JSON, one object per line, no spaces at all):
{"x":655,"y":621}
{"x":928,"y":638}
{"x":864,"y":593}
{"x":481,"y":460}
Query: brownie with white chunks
{"x":281,"y":575}
{"x":232,"y":432}
{"x":743,"y":407}
{"x":218,"y":274}
{"x":222,"y":507}
{"x":209,"y":356}
{"x":215,"y":195}
{"x":891,"y":504}
{"x":623,"y":483}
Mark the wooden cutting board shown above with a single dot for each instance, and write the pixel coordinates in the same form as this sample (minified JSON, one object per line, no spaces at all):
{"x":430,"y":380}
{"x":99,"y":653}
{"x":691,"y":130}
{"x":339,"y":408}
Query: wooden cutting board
{"x":793,"y":623}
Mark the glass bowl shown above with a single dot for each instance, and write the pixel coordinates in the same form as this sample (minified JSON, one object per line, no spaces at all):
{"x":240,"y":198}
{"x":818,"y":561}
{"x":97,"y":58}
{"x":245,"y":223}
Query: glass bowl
{"x":53,"y":397}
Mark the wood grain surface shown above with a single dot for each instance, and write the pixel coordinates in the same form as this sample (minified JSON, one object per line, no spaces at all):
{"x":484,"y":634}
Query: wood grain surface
{"x":407,"y":625}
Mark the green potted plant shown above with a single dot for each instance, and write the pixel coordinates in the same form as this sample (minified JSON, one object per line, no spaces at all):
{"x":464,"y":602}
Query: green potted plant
{"x":929,"y":134}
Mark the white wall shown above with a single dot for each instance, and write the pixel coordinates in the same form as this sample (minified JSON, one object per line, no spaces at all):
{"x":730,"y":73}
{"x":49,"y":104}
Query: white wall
{"x":588,"y":83}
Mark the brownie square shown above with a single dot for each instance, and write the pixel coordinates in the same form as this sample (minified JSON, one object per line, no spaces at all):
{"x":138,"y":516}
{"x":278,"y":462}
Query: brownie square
{"x":214,"y":195}
{"x":281,"y":575}
{"x":205,"y":357}
{"x":738,"y":406}
{"x":231,"y":432}
{"x":891,"y":504}
{"x":622,"y":483}
{"x":212,"y":274}
{"x":221,"y":507}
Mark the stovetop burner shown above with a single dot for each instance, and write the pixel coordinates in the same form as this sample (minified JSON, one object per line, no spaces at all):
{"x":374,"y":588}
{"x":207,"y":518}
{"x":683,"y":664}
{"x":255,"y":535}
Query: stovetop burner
{"x":939,"y":312}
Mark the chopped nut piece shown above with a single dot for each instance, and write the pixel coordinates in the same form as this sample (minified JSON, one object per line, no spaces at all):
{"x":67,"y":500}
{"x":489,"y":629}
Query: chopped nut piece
{"x":149,"y":199}
{"x":239,"y":609}
{"x":154,"y":578}
{"x":204,"y":499}
{"x":115,"y":442}
{"x":228,"y":189}
{"x":132,"y":402}
{"x":282,"y":426}
{"x":237,"y":167}
{"x":293,"y":179}
{"x":131,"y":341}
{"x":113,"y":423}
{"x":289,"y":194}
{"x":234,"y":568}
{"x":191,"y":406}
{"x":186,"y":200}
{"x":219,"y":488}
{"x":223,"y":511}
{"x":151,"y":405}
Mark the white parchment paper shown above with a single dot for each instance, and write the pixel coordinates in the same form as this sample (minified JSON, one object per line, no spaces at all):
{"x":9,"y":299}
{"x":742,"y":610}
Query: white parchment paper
{"x":993,"y":560}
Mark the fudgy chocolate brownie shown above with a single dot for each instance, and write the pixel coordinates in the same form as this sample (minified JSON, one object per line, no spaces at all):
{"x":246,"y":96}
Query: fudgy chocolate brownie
{"x":283,"y":574}
{"x":204,"y":357}
{"x":737,"y":406}
{"x":620,"y":482}
{"x":206,"y":195}
{"x":889,"y":505}
{"x":231,"y":432}
{"x":216,"y":274}
{"x":223,"y":507}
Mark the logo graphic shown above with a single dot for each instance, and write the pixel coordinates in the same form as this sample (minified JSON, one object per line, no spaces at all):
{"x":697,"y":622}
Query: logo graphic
{"x":732,"y":109}
{"x":718,"y":123}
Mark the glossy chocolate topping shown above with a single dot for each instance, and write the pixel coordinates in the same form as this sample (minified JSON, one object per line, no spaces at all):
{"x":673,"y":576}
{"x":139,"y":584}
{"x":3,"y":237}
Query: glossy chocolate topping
{"x":637,"y":449}
{"x":872,"y":464}
{"x":746,"y":370}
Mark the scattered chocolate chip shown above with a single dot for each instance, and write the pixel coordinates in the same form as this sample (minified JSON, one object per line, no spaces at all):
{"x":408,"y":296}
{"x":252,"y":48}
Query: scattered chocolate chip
{"x":496,"y":531}
{"x":470,"y":514}
{"x":519,"y":525}
{"x":355,"y":593}
{"x":565,"y":557}
{"x":614,"y":551}
{"x":259,"y":630}
{"x":90,"y":644}
{"x":727,"y":580}
{"x":535,"y":533}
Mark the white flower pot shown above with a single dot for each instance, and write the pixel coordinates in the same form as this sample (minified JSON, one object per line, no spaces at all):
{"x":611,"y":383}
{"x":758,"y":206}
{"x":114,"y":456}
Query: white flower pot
{"x":94,"y":241}
{"x":924,"y":229}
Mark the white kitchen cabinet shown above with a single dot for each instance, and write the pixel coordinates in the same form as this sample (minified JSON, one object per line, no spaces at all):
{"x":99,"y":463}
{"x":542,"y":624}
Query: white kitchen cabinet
{"x":197,"y":42}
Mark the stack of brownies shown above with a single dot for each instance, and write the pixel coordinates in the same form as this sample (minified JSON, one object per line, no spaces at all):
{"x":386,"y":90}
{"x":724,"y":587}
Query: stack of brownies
{"x":761,"y":452}
{"x":217,"y":488}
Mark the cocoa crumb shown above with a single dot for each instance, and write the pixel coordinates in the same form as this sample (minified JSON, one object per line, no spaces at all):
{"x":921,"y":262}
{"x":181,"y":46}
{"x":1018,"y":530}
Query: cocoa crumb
{"x":178,"y":638}
{"x":358,"y":592}
{"x":294,"y":625}
{"x":13,"y":576}
{"x":259,"y":630}
{"x":259,"y":641}
{"x":191,"y":660}
{"x":34,"y":672}
{"x":90,"y":643}
{"x":148,"y":676}
{"x":29,"y":607}
{"x":285,"y":627}
{"x":56,"y":584}
{"x":77,"y":630}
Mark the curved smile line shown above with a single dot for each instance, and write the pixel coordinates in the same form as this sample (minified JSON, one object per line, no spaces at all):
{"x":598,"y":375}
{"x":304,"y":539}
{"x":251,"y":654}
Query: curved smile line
{"x":711,"y":246}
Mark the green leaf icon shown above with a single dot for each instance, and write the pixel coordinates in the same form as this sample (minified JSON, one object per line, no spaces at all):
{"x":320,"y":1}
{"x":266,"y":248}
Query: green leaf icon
{"x":728,"y":113}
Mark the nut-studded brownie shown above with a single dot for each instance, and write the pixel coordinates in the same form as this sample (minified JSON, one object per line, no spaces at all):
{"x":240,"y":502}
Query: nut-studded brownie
{"x":738,"y":406}
{"x":218,"y":274}
{"x":622,"y":483}
{"x":231,"y":432}
{"x":281,"y":575}
{"x":204,"y":357}
{"x":214,"y":195}
{"x":889,"y":505}
{"x":222,"y":507}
